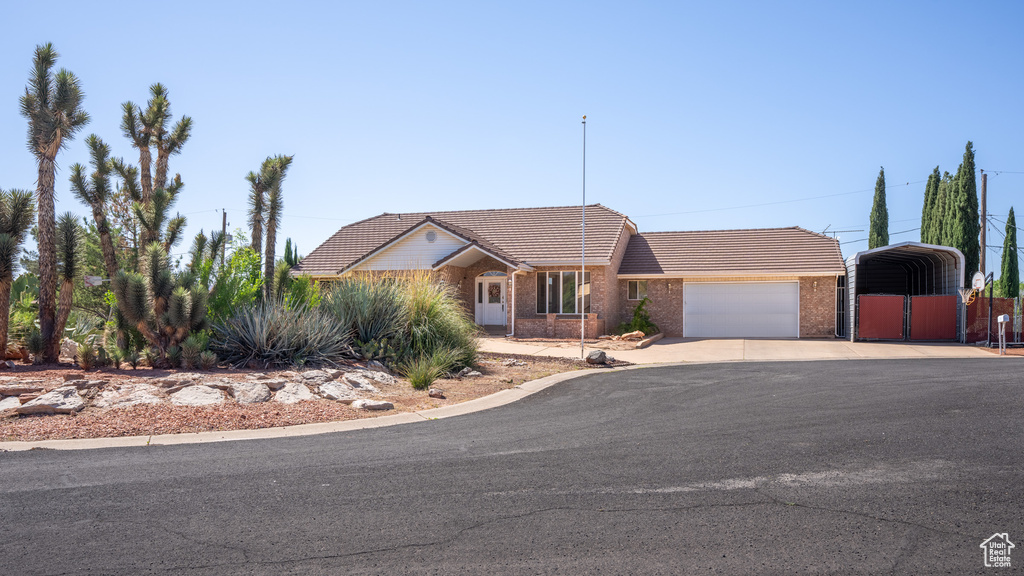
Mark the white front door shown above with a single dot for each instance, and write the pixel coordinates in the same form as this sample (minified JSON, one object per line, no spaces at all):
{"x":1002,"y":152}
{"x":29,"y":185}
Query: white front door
{"x":491,"y":301}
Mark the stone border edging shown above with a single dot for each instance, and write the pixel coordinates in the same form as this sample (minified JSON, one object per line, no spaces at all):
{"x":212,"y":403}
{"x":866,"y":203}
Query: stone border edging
{"x":499,"y":398}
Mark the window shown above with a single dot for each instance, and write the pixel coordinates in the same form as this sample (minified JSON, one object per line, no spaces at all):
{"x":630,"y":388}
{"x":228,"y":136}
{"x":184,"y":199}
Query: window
{"x":636,"y":289}
{"x":562,"y":293}
{"x":479,"y":292}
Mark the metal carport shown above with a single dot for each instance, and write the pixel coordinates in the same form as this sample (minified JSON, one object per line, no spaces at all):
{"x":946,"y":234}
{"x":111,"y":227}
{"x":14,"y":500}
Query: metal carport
{"x":911,"y":270}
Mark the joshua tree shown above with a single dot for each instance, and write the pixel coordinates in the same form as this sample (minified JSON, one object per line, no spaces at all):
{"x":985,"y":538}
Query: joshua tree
{"x":69,"y":236}
{"x":52,"y":103}
{"x":95,"y":192}
{"x":16,"y":212}
{"x":275,"y":204}
{"x":163,"y":307}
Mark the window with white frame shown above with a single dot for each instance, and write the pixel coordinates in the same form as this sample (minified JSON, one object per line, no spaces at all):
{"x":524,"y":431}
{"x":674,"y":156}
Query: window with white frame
{"x":563,"y":293}
{"x":636,"y":289}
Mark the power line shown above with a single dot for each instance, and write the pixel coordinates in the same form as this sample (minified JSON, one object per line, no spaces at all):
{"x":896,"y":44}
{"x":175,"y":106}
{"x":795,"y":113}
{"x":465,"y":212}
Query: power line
{"x":776,"y":202}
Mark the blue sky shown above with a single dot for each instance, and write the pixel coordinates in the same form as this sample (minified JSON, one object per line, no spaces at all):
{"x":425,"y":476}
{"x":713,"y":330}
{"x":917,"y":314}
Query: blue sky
{"x":700,"y":115}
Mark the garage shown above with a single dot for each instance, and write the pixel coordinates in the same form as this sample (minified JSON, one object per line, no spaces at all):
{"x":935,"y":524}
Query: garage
{"x":741,"y":309}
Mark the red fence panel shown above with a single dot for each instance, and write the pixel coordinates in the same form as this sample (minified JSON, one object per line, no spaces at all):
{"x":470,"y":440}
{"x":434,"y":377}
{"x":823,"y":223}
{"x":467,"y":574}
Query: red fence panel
{"x":880,"y":317}
{"x":977,"y":319}
{"x":933,"y":317}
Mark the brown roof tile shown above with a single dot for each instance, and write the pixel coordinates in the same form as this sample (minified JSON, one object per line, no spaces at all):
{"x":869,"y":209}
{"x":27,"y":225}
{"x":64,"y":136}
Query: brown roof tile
{"x":521,"y":234}
{"x":773,"y":251}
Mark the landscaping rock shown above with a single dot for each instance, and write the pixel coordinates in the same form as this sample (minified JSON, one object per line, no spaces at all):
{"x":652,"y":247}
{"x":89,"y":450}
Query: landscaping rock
{"x":9,"y":403}
{"x":130,"y":395}
{"x":315,"y":377}
{"x":372,"y":405}
{"x":338,"y":391}
{"x":222,"y":384}
{"x":379,"y":377}
{"x":63,"y":400}
{"x":513,"y":362}
{"x":471,"y":374}
{"x":359,"y":382}
{"x":83,"y":384}
{"x":274,"y":384}
{"x":596,"y":357}
{"x":250,"y":392}
{"x":292,"y":393}
{"x":18,"y":389}
{"x":197,"y":396}
{"x":377,"y":367}
{"x":69,"y":349}
{"x":436,"y":393}
{"x":334,"y":373}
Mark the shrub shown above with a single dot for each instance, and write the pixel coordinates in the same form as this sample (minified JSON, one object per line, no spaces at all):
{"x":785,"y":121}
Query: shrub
{"x":641,"y":320}
{"x":131,"y":356}
{"x":422,"y":370}
{"x":86,"y":356}
{"x":439,"y":327}
{"x":238,"y":284}
{"x":35,"y":344}
{"x":115,"y":358}
{"x":191,"y":348}
{"x":174,"y":355}
{"x":374,"y":309}
{"x":101,"y":357}
{"x":271,"y":334}
{"x":207,"y":360}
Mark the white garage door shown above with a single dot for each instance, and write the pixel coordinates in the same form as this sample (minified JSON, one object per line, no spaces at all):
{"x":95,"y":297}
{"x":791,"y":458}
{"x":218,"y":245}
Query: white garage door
{"x":741,"y":310}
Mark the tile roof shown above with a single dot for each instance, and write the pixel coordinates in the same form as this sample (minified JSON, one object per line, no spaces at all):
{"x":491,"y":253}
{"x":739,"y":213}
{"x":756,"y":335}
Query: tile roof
{"x":770,"y":251}
{"x":521,"y":234}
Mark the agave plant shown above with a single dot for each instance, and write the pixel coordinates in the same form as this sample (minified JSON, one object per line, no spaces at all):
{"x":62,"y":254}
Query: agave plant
{"x":86,"y":356}
{"x":207,"y":360}
{"x":191,"y":349}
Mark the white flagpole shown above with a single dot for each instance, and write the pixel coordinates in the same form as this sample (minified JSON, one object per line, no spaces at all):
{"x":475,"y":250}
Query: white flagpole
{"x":583,"y":244}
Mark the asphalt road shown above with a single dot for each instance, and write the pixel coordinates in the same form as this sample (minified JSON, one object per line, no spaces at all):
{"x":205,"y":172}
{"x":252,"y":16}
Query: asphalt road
{"x":870,"y":467}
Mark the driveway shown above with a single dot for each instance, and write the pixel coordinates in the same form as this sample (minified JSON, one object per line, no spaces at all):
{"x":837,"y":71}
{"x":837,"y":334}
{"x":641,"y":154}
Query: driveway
{"x":890,"y":466}
{"x":733,"y":350}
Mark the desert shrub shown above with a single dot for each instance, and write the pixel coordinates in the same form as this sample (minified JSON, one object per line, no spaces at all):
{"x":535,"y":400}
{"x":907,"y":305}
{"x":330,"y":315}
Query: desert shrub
{"x":174,"y":355}
{"x":373,"y":308}
{"x":132,"y":357}
{"x":116,"y":356}
{"x":438,"y":325}
{"x":191,"y":349}
{"x":86,"y":356}
{"x":641,"y":320}
{"x":238,"y":284}
{"x":34,"y":343}
{"x":271,"y":334}
{"x":207,"y":360}
{"x":423,"y":369}
{"x":102,"y":358}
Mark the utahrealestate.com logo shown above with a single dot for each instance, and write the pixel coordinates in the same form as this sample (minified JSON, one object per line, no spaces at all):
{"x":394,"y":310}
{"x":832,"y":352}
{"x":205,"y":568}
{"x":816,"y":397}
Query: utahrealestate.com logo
{"x":997,"y":550}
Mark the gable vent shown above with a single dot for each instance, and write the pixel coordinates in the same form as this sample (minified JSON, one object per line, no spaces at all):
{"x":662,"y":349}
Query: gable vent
{"x":431,"y":235}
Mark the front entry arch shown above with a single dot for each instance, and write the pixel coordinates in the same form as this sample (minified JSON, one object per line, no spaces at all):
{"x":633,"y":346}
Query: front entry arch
{"x":490,"y":299}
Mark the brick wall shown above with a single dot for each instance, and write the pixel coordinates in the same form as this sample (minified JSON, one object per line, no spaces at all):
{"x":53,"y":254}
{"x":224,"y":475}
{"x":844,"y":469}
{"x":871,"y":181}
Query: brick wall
{"x":613,"y":298}
{"x":817,"y":303}
{"x":529,"y":324}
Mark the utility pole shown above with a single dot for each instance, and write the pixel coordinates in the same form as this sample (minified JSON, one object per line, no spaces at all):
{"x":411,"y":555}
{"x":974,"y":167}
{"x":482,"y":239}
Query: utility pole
{"x":984,"y":218}
{"x":583,"y":246}
{"x":224,"y":235}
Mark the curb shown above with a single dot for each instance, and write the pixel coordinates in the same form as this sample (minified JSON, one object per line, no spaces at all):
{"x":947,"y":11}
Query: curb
{"x":500,"y":398}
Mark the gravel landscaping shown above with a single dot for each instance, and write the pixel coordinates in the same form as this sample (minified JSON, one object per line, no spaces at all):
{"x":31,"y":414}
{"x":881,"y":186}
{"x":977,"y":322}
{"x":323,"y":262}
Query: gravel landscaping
{"x":41,"y":403}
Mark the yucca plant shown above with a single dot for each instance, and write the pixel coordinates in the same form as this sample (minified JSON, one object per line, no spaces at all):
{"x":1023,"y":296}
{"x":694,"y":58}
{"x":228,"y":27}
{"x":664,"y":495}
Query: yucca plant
{"x":86,"y":356}
{"x":191,"y":349}
{"x":69,"y":236}
{"x":424,"y":369}
{"x":35,"y":345}
{"x":131,"y":356}
{"x":16,"y":211}
{"x":373,"y":308}
{"x":151,"y":355}
{"x":207,"y":360}
{"x":116,"y":356}
{"x":163,"y":307}
{"x":102,"y":359}
{"x":174,"y":356}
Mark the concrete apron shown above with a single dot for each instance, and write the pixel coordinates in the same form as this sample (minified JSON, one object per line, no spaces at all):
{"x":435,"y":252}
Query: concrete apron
{"x":672,"y":350}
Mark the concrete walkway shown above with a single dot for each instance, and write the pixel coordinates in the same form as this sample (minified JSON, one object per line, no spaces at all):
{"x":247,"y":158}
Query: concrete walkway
{"x":702,"y":350}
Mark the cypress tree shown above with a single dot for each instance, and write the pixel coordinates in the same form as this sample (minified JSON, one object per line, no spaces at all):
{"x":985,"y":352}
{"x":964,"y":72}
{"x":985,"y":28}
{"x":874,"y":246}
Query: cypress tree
{"x":963,"y":215}
{"x":1009,"y":276}
{"x":940,"y":217}
{"x":878,"y":234}
{"x":931,"y":193}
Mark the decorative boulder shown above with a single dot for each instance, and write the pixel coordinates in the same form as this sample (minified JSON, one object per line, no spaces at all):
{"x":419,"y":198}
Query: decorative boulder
{"x":372,"y":405}
{"x":60,"y":401}
{"x":436,"y":393}
{"x":197,"y":396}
{"x":359,"y":382}
{"x":9,"y":403}
{"x":293,"y":393}
{"x":250,"y":392}
{"x":130,"y":395}
{"x":377,"y":366}
{"x":597,"y":357}
{"x":338,"y":391}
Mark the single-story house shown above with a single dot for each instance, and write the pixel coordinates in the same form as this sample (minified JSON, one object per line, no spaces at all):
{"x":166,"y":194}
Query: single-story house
{"x":520,"y":268}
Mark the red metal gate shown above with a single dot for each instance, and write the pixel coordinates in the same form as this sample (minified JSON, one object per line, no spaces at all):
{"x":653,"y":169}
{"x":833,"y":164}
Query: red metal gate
{"x":880,"y":317}
{"x":933,"y":317}
{"x":978,"y":323}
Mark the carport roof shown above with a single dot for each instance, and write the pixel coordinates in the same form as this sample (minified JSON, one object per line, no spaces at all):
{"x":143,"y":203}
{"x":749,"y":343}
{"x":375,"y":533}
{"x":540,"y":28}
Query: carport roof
{"x":757,"y":252}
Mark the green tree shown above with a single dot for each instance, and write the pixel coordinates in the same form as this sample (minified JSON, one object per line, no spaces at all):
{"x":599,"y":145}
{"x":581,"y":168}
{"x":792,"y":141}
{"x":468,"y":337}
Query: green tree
{"x":963,"y":226}
{"x":931,"y":198}
{"x":1009,"y":275}
{"x":16,"y":212}
{"x":878,"y":234}
{"x":52,"y":103}
{"x":275,"y":204}
{"x":940,"y":218}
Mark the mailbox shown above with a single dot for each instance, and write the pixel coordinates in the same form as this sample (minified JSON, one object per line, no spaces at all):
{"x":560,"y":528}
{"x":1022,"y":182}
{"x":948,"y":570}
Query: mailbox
{"x":1002,"y":319}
